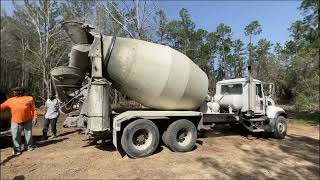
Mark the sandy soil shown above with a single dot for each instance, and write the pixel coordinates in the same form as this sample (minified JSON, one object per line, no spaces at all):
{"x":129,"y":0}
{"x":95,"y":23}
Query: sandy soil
{"x":220,"y":154}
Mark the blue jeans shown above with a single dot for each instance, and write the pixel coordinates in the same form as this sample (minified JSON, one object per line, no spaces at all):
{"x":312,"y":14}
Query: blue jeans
{"x":16,"y":130}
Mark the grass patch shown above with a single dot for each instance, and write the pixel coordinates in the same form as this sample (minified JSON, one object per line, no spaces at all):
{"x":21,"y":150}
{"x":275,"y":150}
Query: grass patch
{"x":302,"y":117}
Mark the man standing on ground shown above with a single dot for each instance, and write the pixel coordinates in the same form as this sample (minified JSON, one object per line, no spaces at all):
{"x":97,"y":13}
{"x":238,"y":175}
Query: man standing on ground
{"x":52,"y":113}
{"x":23,"y":115}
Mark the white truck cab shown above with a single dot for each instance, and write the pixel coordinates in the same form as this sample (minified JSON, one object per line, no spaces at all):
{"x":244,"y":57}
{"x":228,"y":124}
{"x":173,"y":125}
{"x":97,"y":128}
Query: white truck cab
{"x":235,"y":93}
{"x":251,"y":105}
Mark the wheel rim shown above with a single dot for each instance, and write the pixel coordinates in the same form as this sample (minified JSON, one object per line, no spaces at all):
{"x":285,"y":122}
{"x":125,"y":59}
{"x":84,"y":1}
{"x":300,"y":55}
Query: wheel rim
{"x":184,"y":136}
{"x":281,"y":127}
{"x":142,"y":139}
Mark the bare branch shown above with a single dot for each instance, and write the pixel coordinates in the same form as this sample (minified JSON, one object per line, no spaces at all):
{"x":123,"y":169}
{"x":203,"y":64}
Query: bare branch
{"x":118,"y":22}
{"x":121,"y":14}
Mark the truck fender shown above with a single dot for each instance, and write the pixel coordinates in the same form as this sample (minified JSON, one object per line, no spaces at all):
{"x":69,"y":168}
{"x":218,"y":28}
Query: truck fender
{"x":116,"y":127}
{"x":281,"y":113}
{"x":114,"y":138}
{"x":273,"y":112}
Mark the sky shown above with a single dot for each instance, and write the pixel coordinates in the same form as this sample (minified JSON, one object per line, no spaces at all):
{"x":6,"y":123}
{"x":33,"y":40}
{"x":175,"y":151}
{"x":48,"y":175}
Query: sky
{"x":274,"y":16}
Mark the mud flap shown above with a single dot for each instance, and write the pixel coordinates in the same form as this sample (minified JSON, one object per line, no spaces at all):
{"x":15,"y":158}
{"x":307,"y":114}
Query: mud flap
{"x":114,"y":138}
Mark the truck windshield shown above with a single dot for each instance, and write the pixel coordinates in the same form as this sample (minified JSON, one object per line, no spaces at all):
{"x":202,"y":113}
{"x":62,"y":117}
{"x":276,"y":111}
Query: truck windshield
{"x":231,"y":89}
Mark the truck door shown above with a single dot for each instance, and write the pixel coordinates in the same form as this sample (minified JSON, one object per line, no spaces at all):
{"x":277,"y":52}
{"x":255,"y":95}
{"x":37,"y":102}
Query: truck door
{"x":260,"y":103}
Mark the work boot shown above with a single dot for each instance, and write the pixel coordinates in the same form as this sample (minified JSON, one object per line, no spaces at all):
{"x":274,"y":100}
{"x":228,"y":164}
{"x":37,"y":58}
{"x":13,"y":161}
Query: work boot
{"x":53,"y":136}
{"x":16,"y":153}
{"x":44,"y":137}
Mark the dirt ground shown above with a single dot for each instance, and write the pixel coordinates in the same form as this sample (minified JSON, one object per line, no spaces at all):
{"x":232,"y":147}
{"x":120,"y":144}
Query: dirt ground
{"x":220,"y":154}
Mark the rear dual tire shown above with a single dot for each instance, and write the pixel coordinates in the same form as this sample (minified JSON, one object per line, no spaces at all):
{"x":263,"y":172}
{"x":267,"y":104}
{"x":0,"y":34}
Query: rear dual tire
{"x":140,"y":138}
{"x":180,"y":136}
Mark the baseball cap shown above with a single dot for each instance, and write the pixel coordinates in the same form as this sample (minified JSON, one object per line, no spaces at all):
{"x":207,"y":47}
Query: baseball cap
{"x":17,"y":89}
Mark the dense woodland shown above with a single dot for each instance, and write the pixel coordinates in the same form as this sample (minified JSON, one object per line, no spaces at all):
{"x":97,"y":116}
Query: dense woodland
{"x":32,"y":42}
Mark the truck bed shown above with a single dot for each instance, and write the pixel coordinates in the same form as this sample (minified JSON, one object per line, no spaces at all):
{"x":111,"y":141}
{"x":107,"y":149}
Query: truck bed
{"x":154,"y":114}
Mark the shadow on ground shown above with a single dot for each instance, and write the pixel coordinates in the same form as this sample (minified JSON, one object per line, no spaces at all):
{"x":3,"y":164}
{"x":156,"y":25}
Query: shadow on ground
{"x":107,"y":145}
{"x":38,"y":144}
{"x":20,"y":177}
{"x":227,"y":130}
{"x":6,"y":141}
{"x":292,"y":147}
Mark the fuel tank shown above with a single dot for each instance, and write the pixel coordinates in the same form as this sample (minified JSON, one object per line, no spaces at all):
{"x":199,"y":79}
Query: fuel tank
{"x":154,"y":75}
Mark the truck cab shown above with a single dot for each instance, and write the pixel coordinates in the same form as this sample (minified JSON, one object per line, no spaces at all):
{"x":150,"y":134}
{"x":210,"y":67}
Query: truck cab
{"x":251,"y":105}
{"x":235,"y":93}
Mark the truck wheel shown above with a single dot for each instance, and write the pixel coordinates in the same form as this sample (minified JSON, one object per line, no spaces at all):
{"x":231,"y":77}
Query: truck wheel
{"x":181,"y":136}
{"x":140,"y":138}
{"x":163,"y":137}
{"x":280,"y":128}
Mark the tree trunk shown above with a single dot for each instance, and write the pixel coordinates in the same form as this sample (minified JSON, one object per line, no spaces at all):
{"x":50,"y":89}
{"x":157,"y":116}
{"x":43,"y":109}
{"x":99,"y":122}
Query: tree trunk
{"x":224,"y":61}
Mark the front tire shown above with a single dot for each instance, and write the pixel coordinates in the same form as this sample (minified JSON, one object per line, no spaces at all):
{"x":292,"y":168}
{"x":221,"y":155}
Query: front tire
{"x":140,"y":138}
{"x":181,"y":136}
{"x":280,"y":128}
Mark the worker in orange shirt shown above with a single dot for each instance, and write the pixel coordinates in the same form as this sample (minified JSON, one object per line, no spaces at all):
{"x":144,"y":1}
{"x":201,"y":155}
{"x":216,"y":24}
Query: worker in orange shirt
{"x":24,"y":115}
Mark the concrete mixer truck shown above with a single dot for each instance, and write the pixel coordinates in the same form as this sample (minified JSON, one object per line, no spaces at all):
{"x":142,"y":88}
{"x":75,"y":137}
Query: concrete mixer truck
{"x":173,"y":89}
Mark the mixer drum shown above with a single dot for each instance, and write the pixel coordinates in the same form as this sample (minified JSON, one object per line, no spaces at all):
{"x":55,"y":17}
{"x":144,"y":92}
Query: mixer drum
{"x":154,"y":75}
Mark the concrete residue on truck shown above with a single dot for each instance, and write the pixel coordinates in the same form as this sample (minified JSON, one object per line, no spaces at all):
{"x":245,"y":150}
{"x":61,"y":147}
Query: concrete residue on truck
{"x":162,"y":79}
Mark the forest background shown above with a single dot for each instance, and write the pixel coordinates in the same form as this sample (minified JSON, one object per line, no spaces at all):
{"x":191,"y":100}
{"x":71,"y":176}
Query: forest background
{"x":33,"y":42}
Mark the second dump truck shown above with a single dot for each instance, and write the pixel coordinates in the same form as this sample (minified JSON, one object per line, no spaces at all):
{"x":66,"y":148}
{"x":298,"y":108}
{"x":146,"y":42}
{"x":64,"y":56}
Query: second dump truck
{"x":174,"y":89}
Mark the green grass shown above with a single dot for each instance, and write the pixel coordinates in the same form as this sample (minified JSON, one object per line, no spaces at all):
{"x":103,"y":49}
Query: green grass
{"x":302,"y":117}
